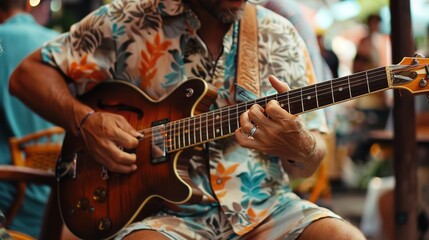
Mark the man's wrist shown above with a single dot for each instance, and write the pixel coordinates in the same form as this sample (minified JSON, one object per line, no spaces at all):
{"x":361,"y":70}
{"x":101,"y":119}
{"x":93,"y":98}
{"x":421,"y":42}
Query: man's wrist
{"x":81,"y":113}
{"x":313,"y":148}
{"x":83,"y":120}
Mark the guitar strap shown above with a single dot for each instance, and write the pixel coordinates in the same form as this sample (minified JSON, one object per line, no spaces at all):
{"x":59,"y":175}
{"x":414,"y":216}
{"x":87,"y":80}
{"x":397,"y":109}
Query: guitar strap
{"x":248,"y":64}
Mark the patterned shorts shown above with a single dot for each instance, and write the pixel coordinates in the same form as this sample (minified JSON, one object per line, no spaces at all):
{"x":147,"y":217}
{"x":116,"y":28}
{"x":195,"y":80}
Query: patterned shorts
{"x":286,"y":222}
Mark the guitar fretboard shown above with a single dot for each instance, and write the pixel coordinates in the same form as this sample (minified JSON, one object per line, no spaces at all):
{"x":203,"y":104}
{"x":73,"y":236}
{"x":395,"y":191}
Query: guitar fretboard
{"x":224,"y":121}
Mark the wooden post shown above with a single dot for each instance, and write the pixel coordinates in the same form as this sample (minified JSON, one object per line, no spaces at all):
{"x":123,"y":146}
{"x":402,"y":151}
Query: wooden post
{"x":404,"y":143}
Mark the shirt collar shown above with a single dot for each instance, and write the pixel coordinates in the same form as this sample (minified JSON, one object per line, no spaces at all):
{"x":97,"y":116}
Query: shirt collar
{"x":178,"y":7}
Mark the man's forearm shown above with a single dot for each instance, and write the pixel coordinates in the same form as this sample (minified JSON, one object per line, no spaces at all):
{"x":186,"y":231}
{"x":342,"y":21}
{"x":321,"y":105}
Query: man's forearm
{"x":45,"y":91}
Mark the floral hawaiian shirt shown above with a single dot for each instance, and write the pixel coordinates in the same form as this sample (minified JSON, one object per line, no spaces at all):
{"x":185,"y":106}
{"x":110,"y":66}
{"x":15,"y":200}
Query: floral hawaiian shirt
{"x":154,"y":45}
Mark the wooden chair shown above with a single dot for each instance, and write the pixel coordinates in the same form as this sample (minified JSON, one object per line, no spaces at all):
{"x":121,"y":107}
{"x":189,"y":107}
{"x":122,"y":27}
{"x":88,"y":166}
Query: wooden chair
{"x":34,"y":158}
{"x":37,"y":150}
{"x":52,"y":224}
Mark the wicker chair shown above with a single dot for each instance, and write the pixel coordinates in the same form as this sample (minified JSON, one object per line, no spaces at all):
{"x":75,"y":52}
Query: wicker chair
{"x":34,"y":158}
{"x":37,"y":150}
{"x":52,"y":224}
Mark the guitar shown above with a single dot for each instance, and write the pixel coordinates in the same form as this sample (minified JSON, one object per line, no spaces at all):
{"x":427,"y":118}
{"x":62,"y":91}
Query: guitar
{"x":96,"y":203}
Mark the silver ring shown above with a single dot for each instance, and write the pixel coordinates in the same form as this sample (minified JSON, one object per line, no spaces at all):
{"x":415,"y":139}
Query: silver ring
{"x":252,"y":131}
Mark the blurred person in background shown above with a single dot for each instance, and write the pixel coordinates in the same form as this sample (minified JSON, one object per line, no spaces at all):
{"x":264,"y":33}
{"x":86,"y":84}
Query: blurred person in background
{"x":20,"y":35}
{"x":328,"y":54}
{"x":373,"y":50}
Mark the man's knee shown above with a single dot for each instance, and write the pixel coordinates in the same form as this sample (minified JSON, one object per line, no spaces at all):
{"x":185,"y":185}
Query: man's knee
{"x":331,"y":228}
{"x":145,"y":234}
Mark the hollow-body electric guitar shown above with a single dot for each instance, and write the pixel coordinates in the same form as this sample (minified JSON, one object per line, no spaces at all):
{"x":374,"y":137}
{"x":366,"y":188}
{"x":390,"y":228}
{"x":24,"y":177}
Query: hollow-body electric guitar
{"x":96,"y":204}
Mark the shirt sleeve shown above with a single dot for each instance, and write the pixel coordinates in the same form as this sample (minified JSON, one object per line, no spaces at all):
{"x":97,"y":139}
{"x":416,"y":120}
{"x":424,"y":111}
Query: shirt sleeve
{"x":86,"y":53}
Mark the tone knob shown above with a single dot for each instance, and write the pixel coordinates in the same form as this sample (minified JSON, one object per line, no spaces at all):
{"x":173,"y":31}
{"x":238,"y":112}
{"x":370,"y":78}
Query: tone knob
{"x":100,"y":194}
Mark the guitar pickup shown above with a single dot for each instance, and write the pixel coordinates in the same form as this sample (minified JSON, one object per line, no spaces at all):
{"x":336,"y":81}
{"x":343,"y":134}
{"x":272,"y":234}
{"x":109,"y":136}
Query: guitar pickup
{"x":158,"y":146}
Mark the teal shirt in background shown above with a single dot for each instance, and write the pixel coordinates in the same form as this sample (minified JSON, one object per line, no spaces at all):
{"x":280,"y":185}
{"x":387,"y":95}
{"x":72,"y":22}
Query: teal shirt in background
{"x":20,"y":36}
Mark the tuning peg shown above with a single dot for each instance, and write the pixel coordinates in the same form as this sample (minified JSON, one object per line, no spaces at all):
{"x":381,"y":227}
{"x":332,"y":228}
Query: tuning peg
{"x":418,"y":55}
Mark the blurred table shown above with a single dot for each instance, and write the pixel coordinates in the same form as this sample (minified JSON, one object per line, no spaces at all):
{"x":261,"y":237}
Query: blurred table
{"x":422,"y":138}
{"x":422,"y":135}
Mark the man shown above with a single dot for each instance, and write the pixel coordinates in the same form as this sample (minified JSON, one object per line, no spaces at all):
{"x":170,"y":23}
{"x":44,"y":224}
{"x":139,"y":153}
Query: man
{"x":158,"y":45}
{"x":20,"y":35}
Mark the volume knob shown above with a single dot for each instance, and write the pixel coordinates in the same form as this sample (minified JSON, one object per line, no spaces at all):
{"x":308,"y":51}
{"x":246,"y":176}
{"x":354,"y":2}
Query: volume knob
{"x":104,"y":224}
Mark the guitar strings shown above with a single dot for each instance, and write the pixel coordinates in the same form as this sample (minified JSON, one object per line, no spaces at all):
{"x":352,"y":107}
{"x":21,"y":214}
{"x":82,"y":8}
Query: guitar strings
{"x":320,"y":91}
{"x":182,"y":133}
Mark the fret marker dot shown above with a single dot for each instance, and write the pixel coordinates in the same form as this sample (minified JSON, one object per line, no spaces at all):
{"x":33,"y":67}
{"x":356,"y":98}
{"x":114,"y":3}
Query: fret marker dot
{"x":217,"y":117}
{"x":217,"y":130}
{"x":340,"y":89}
{"x":282,"y":105}
{"x":308,"y":97}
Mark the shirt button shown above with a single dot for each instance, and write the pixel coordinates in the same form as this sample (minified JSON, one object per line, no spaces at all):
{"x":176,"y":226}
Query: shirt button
{"x":219,"y":181}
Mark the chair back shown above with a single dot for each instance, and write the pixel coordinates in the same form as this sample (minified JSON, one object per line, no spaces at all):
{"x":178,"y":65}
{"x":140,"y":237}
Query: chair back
{"x":39,"y":150}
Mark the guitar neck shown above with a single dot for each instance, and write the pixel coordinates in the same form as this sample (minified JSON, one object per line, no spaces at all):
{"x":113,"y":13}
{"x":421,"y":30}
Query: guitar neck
{"x":223,"y":122}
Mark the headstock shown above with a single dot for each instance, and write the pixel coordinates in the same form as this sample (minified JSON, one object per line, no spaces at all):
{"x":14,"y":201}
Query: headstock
{"x":412,"y":74}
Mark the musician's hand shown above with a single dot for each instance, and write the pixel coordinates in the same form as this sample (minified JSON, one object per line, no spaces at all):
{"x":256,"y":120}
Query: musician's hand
{"x":278,"y":132}
{"x":104,"y":135}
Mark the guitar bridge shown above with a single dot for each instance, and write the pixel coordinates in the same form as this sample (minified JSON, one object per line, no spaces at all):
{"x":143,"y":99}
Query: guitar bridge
{"x":158,"y":146}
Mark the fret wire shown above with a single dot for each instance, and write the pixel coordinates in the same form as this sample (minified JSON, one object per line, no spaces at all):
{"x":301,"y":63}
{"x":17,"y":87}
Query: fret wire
{"x":317,"y":97}
{"x":229,"y":120}
{"x":332,"y":92}
{"x":189,"y":131}
{"x":214,"y":124}
{"x":178,"y":134}
{"x":367,"y":81}
{"x":288,"y":102}
{"x":181,"y":135}
{"x":221,"y":123}
{"x":184,"y":132}
{"x":201,"y":129}
{"x":238,"y":119}
{"x":174,"y":136}
{"x":302,"y":100}
{"x":207,"y":127}
{"x":193,"y":127}
{"x":350,"y":89}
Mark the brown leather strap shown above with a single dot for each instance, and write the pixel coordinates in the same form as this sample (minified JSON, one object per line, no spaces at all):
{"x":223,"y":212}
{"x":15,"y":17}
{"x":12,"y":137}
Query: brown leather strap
{"x":248,"y":64}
